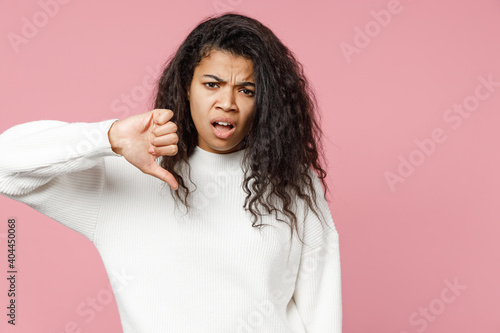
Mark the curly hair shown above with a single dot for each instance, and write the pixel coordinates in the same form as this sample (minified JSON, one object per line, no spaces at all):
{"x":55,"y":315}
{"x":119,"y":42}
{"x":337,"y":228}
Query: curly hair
{"x":281,"y":147}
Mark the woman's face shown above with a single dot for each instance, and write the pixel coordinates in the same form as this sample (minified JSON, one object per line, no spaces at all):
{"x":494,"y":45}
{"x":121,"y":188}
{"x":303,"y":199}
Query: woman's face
{"x":222,"y":90}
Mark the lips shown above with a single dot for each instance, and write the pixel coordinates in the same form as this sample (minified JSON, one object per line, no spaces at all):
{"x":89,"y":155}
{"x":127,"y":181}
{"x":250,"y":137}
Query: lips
{"x":223,"y":134}
{"x":224,"y":120}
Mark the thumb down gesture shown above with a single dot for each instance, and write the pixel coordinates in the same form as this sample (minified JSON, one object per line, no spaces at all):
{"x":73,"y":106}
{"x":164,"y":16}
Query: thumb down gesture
{"x":142,"y":138}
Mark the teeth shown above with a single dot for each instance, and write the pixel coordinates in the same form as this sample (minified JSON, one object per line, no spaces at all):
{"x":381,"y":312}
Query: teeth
{"x":223,"y":123}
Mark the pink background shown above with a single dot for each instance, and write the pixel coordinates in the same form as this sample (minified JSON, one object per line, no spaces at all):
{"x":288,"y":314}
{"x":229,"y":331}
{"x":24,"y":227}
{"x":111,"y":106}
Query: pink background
{"x":400,"y":246}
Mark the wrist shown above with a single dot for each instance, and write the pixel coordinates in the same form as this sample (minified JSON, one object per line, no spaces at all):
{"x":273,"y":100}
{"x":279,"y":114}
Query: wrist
{"x":114,"y":138}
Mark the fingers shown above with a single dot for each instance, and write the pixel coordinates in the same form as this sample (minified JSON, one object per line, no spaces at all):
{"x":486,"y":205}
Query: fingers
{"x":169,"y":150}
{"x":162,"y":174}
{"x":162,"y":116}
{"x":163,"y":138}
{"x":167,"y":128}
{"x":163,"y":144}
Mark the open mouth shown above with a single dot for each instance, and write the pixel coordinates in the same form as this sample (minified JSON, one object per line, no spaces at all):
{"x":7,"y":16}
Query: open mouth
{"x":222,"y":129}
{"x":222,"y":126}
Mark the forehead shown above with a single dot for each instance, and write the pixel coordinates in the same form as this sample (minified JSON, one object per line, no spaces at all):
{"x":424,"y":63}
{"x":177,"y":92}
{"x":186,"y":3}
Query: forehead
{"x":225,"y":63}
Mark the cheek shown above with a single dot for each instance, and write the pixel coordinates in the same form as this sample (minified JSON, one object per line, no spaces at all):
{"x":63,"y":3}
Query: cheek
{"x":199,"y":114}
{"x":196,"y":107}
{"x":201,"y":104}
{"x":195,"y":116}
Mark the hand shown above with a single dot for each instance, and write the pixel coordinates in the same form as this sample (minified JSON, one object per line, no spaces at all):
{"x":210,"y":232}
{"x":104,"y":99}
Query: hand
{"x":142,"y":138}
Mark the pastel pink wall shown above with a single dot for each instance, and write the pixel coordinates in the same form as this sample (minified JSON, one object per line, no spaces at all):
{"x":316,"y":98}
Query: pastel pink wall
{"x":415,"y":181}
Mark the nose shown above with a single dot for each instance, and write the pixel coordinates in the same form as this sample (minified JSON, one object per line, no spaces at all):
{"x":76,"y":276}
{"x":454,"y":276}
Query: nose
{"x":226,"y":100}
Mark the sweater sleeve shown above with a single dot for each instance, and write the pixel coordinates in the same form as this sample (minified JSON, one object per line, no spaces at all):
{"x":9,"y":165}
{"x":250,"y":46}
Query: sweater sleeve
{"x":317,"y":292}
{"x":57,"y":168}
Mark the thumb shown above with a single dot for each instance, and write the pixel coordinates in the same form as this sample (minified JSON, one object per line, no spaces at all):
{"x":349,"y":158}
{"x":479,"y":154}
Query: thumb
{"x":157,"y":171}
{"x":153,"y":119}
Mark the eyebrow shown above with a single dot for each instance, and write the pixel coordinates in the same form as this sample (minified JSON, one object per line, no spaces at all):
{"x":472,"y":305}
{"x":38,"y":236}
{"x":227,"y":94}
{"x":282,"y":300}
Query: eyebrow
{"x":218,"y":79}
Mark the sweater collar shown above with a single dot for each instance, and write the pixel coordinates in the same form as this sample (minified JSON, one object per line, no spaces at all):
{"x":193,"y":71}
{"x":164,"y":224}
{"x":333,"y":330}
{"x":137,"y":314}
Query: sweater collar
{"x":230,"y":162}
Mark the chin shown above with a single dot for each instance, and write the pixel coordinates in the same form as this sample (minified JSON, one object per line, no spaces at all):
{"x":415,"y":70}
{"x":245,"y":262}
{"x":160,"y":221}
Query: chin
{"x":225,"y":148}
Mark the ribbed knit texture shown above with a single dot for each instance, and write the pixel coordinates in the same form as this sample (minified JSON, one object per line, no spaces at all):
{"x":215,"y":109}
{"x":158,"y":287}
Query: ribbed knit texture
{"x":203,"y":270}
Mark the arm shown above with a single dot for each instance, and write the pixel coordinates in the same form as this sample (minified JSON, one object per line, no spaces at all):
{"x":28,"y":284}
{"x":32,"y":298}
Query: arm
{"x":57,"y":168}
{"x":318,"y":287}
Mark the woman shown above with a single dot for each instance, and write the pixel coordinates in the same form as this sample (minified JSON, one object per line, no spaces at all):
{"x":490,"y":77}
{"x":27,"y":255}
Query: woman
{"x":233,"y":133}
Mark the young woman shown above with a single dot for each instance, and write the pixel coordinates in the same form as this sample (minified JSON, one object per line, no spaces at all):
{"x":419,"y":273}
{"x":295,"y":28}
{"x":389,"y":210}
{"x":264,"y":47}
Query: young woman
{"x":241,"y":239}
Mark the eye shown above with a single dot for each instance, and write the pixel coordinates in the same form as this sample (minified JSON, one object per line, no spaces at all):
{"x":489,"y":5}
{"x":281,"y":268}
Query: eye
{"x":248,"y":92}
{"x":211,"y":84}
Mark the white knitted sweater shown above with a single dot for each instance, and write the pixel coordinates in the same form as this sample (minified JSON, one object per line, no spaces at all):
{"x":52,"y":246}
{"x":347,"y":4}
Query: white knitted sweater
{"x":205,"y":271}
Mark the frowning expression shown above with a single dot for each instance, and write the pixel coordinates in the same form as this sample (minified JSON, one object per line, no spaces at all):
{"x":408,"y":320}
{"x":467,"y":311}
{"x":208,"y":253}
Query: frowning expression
{"x":221,"y":97}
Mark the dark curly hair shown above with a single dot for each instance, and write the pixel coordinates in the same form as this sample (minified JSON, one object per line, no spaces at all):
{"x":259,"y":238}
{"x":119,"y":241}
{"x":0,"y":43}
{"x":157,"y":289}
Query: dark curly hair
{"x":281,"y":146}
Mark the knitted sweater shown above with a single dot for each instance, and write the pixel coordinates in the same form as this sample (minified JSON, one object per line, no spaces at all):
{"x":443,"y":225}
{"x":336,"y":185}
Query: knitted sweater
{"x":203,"y":270}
